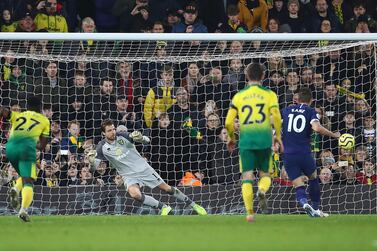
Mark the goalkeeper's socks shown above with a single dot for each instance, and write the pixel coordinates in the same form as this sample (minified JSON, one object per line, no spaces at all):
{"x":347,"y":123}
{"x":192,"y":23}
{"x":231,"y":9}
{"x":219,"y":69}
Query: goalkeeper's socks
{"x":152,"y":202}
{"x":315,"y":193}
{"x":27,"y":196}
{"x":181,"y":196}
{"x":301,"y":195}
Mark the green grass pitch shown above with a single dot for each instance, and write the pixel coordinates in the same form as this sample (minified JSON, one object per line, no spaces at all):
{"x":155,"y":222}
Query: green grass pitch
{"x":179,"y":233}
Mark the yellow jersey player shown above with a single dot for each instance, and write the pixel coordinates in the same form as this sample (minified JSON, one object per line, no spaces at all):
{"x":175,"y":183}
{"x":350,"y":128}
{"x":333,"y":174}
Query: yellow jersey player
{"x":27,"y":129}
{"x":255,"y":106}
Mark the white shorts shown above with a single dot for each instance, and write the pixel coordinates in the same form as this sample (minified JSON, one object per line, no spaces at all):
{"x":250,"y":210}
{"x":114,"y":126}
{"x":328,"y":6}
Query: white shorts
{"x":151,"y":180}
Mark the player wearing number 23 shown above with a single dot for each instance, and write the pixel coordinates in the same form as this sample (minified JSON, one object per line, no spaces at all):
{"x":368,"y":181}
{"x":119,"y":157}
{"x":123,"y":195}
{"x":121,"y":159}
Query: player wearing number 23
{"x":30,"y":130}
{"x":255,"y":106}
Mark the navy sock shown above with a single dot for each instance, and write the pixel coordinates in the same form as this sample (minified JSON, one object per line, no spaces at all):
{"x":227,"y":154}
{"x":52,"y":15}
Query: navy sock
{"x":301,"y":195}
{"x":314,"y":193}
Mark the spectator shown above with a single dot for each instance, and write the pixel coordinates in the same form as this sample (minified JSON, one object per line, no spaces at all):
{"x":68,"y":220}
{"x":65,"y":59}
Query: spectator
{"x":123,"y":117}
{"x":291,"y":88}
{"x":26,"y":24}
{"x":103,"y":174}
{"x":86,"y":177}
{"x":349,"y":175}
{"x":19,"y":85}
{"x":6,"y":64}
{"x":325,"y":28}
{"x":235,"y":76}
{"x":361,"y":155}
{"x":56,"y":137}
{"x":118,"y":181}
{"x":140,"y":16}
{"x":278,"y":12}
{"x":368,"y":175}
{"x":224,"y":165}
{"x":72,"y":141}
{"x":213,"y":89}
{"x":172,"y":20}
{"x":348,"y":125}
{"x":72,"y":176}
{"x":190,"y":24}
{"x":294,"y":19}
{"x":322,"y":11}
{"x":158,"y":27}
{"x":325,"y":176}
{"x":333,"y":105}
{"x":341,"y":9}
{"x":275,"y":82}
{"x":48,"y":175}
{"x":17,"y":8}
{"x":254,"y":13}
{"x":162,"y":149}
{"x":160,"y":98}
{"x":127,"y":86}
{"x":192,"y":78}
{"x":362,"y":109}
{"x":275,"y":27}
{"x":52,"y":88}
{"x":368,"y":129}
{"x":233,"y":23}
{"x":8,"y":23}
{"x":191,"y":179}
{"x":48,"y":19}
{"x":359,"y":14}
{"x":88,"y":26}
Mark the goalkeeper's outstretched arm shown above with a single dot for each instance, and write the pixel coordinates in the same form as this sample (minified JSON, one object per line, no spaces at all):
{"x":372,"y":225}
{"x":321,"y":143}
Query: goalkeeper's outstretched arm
{"x":135,"y":137}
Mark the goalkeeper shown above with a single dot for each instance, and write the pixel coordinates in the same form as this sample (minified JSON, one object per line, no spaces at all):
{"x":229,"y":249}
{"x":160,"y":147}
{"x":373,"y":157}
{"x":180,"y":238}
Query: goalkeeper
{"x":120,"y":151}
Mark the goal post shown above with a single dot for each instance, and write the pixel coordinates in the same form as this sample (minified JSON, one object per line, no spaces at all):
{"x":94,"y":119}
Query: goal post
{"x":84,"y":78}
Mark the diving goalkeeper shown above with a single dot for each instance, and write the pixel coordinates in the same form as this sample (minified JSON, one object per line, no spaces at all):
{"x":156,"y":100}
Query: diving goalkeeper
{"x":119,"y":150}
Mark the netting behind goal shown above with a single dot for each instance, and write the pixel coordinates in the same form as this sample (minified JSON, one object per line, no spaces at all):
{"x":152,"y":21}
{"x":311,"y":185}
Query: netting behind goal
{"x":130,"y":82}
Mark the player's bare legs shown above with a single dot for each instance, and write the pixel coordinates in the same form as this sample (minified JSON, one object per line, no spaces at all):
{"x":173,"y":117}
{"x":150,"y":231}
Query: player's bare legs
{"x":182,"y":197}
{"x":263,"y":186}
{"x":248,"y":195}
{"x":135,"y":193}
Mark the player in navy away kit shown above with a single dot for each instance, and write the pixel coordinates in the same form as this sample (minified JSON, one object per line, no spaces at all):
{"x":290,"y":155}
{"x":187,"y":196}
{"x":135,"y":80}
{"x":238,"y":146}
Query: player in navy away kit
{"x":298,"y":123}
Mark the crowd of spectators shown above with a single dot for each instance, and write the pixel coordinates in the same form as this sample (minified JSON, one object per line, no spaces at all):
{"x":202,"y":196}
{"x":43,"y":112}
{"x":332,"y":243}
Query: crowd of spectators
{"x":182,"y":105}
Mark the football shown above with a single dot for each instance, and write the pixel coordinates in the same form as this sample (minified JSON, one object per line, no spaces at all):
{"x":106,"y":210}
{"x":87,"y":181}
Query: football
{"x":346,"y":141}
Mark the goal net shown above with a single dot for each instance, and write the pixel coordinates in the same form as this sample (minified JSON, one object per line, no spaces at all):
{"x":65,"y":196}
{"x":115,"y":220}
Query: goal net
{"x":178,"y":93}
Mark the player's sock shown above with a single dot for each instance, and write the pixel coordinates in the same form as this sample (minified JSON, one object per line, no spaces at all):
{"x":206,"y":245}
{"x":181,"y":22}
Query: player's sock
{"x":301,"y":195}
{"x":315,"y":193}
{"x":27,"y":196}
{"x":248,"y":196}
{"x":18,"y":185}
{"x":150,"y":201}
{"x":264,"y":184}
{"x":181,"y":196}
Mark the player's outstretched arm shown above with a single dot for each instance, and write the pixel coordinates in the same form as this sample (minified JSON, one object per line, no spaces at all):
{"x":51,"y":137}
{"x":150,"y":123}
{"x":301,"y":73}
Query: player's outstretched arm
{"x":317,"y":127}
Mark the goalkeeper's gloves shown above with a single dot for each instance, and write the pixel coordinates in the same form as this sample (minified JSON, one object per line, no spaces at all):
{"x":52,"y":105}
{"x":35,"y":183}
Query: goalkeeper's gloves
{"x":136,"y":136}
{"x":91,"y":155}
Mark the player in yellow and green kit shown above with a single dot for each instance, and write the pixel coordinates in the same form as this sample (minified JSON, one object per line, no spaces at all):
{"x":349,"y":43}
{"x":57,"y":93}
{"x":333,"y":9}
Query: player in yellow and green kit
{"x":28,"y":128}
{"x":255,"y":106}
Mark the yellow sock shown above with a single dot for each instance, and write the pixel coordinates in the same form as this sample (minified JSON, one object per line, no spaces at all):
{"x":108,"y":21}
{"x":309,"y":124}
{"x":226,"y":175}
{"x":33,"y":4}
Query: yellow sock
{"x":18,"y":184}
{"x":248,"y":196}
{"x":264,"y":184}
{"x":27,"y":196}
